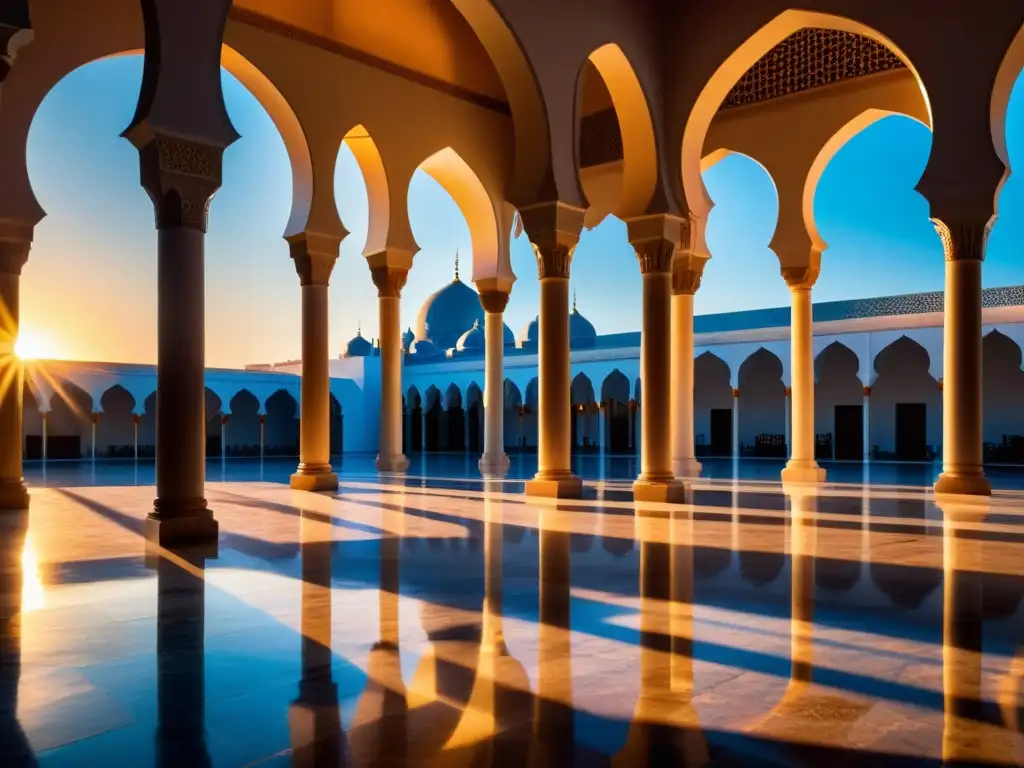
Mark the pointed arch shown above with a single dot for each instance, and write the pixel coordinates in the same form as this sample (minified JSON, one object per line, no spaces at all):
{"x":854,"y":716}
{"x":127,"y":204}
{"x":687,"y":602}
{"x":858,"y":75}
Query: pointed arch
{"x":483,"y":215}
{"x":732,"y":69}
{"x":1006,"y":78}
{"x":615,"y":387}
{"x":582,"y":389}
{"x":906,"y":403}
{"x":371,"y":165}
{"x":639,"y":174}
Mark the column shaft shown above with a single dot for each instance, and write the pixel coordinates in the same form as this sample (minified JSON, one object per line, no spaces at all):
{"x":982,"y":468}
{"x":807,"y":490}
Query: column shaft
{"x":494,"y":458}
{"x":802,"y":466}
{"x":13,"y":494}
{"x":656,"y":396}
{"x":735,"y":424}
{"x":180,"y":507}
{"x":314,"y":470}
{"x":866,"y":439}
{"x":553,"y":401}
{"x":961,"y":382}
{"x":390,"y":457}
{"x":684,"y":461}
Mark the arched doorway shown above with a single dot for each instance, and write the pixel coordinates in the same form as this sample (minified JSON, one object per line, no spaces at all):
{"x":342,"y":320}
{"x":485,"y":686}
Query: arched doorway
{"x":582,"y":398}
{"x":513,"y":417}
{"x":906,"y":404}
{"x":413,"y":436}
{"x":281,"y":425}
{"x":615,"y":401}
{"x":1002,"y":399}
{"x":454,"y":424}
{"x":242,"y":434}
{"x":713,"y":401}
{"x":474,"y":418}
{"x":69,"y":424}
{"x":115,"y":429}
{"x":762,"y":423}
{"x":530,"y":424}
{"x":433,"y":419}
{"x":337,"y":439}
{"x":839,"y":402}
{"x":214,"y":425}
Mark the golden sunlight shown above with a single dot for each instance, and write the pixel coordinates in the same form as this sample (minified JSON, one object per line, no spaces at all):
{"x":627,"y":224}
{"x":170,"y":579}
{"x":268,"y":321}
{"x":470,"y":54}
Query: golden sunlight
{"x":35,"y":345}
{"x":33,"y":594}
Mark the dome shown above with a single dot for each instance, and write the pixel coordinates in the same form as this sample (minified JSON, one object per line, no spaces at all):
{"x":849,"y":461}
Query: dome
{"x":358,"y":346}
{"x":423,"y":348}
{"x":529,"y":332}
{"x":407,"y":338}
{"x":508,"y":338}
{"x":471,"y":340}
{"x":448,"y":313}
{"x":580,"y":329}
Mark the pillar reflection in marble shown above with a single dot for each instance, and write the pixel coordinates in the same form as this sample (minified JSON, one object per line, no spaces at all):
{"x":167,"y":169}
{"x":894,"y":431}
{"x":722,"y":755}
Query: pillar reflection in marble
{"x":314,"y":718}
{"x":15,"y":749}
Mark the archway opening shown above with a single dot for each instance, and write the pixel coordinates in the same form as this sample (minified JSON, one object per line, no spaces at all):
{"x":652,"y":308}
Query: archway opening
{"x":1002,"y":386}
{"x":432,"y":426}
{"x":615,"y":404}
{"x":413,"y":436}
{"x":116,"y":427}
{"x":281,"y":425}
{"x":453,"y":427}
{"x":69,"y":424}
{"x":474,"y":419}
{"x":906,"y":404}
{"x":839,"y":402}
{"x":242,"y":435}
{"x":581,"y":398}
{"x":762,"y":423}
{"x":713,"y":404}
{"x":530,"y":423}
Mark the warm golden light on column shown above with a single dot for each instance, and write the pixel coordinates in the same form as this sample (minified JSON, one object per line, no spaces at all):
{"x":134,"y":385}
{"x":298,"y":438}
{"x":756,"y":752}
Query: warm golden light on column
{"x":389,"y":272}
{"x":964,"y":245}
{"x":802,"y":466}
{"x":314,"y":257}
{"x":686,"y":274}
{"x":13,"y":494}
{"x":494,"y":460}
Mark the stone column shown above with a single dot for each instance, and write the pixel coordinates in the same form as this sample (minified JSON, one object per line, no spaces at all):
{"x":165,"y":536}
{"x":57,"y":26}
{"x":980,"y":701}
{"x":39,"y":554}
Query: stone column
{"x":655,"y":240}
{"x":602,"y":429}
{"x":554,"y":230}
{"x":867,"y":424}
{"x":390,"y":269}
{"x":789,"y":419}
{"x":181,"y":176}
{"x":314,"y":256}
{"x":735,"y":424}
{"x":802,"y":466}
{"x":686,"y":274}
{"x":13,"y":494}
{"x":181,"y":129}
{"x":494,"y":460}
{"x":964,"y":246}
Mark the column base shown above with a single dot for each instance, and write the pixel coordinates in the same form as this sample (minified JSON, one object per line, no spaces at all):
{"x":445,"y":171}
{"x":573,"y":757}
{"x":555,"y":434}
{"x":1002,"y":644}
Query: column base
{"x":561,"y":486}
{"x":805,"y":473}
{"x":13,"y":495}
{"x":494,"y":465}
{"x":395,"y":464}
{"x":963,"y":484}
{"x":314,"y":481}
{"x":686,"y":467}
{"x":665,"y":491}
{"x":172,"y":531}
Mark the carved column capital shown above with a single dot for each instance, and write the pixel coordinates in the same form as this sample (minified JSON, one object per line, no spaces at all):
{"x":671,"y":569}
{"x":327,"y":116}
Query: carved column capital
{"x":554,"y":230}
{"x":494,"y":302}
{"x":800,"y":278}
{"x":687,"y":271}
{"x":181,"y":177}
{"x":13,"y":254}
{"x":390,"y":280}
{"x":655,"y":256}
{"x":314,"y":256}
{"x":963,"y":239}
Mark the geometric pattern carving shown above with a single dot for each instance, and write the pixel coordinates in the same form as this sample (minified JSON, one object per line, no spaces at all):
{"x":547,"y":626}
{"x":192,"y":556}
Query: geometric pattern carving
{"x":600,"y":139}
{"x":810,"y":58}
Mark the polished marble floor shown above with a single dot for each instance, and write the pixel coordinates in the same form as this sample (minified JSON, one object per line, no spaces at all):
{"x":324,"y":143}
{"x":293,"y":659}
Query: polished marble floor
{"x":445,"y":620}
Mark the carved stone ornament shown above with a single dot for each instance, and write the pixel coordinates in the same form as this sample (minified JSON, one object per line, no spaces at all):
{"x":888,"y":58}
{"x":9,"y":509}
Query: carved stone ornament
{"x":493,"y":302}
{"x":655,"y":256}
{"x":554,"y":261}
{"x":553,"y":229}
{"x":181,"y":177}
{"x":685,"y":280}
{"x":963,"y":240}
{"x":389,"y":280}
{"x":314,"y":257}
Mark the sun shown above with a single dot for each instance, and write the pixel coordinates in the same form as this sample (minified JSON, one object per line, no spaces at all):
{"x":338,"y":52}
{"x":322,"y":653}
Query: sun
{"x":34,"y":345}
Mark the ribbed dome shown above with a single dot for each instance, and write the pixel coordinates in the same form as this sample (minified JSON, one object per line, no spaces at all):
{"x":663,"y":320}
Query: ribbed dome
{"x":446,"y":315}
{"x":472,"y":339}
{"x":358,"y":346}
{"x":407,"y":339}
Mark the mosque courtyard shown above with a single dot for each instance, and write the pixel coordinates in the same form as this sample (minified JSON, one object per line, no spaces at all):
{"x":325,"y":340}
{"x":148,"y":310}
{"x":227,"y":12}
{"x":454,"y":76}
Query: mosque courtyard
{"x":440,"y":619}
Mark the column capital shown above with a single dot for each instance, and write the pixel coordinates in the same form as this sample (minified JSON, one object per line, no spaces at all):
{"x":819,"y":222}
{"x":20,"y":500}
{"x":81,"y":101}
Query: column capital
{"x":180,"y":175}
{"x":687,"y":271}
{"x":314,"y":255}
{"x":655,"y":239}
{"x":13,"y":254}
{"x":800,"y":278}
{"x":963,"y":239}
{"x":554,"y":230}
{"x":494,"y":302}
{"x":390,"y":269}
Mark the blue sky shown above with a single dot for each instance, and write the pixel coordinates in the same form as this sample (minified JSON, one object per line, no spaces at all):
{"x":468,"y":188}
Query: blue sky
{"x":89,"y":289}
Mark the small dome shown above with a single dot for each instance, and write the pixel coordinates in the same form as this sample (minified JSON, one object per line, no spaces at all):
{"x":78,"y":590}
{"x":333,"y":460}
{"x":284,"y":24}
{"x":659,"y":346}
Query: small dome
{"x":581,"y":330}
{"x":473,"y":339}
{"x":407,"y":338}
{"x":423,"y":348}
{"x":529,"y":333}
{"x":508,"y":338}
{"x":358,"y":346}
{"x":447,"y":313}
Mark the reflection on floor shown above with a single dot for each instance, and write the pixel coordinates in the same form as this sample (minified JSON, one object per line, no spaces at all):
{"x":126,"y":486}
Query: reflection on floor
{"x":455,"y":622}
